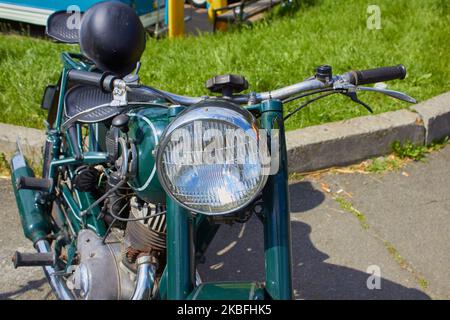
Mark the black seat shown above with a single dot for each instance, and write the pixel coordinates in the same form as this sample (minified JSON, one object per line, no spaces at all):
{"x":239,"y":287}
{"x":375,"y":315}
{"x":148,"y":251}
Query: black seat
{"x":83,"y":98}
{"x":90,"y":104}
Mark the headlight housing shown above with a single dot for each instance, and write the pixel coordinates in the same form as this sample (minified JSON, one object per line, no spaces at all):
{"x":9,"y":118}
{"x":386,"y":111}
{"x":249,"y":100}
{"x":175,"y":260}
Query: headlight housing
{"x":209,"y":158}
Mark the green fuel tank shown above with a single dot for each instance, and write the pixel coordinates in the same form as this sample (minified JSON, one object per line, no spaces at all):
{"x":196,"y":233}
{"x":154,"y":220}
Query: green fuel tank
{"x":146,"y":126}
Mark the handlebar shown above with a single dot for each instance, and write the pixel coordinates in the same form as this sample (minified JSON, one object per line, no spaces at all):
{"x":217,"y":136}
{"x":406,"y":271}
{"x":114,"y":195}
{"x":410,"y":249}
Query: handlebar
{"x":105,"y":81}
{"x":370,"y":76}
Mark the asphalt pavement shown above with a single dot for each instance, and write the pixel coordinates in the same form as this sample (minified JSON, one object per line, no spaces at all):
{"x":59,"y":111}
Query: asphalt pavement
{"x":347,"y":229}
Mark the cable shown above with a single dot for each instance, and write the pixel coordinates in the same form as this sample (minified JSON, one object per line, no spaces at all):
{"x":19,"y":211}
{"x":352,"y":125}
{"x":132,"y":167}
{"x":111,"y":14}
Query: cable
{"x":141,"y":89}
{"x":117,"y":217}
{"x":307,"y":103}
{"x":108,"y":230}
{"x":136,"y":219}
{"x":306,"y":94}
{"x":103,"y":197}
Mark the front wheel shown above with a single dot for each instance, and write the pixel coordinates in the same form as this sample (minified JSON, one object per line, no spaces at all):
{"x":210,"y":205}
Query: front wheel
{"x":198,"y":3}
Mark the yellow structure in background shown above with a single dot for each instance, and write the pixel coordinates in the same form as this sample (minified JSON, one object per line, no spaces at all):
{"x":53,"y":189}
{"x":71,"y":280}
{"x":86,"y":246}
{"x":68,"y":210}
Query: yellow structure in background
{"x":176,"y":18}
{"x":213,"y":4}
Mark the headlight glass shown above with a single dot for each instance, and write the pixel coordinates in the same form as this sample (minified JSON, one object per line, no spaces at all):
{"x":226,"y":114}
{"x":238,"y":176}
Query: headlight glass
{"x":209,"y":159}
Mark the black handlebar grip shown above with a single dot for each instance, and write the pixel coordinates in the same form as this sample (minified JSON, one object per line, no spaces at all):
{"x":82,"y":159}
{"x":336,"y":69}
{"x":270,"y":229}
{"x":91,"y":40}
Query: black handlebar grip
{"x":377,"y":75}
{"x":105,"y":81}
{"x":32,"y":259}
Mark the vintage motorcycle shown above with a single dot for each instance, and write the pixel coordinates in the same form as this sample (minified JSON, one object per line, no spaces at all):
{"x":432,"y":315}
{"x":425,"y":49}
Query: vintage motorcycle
{"x":117,"y":214}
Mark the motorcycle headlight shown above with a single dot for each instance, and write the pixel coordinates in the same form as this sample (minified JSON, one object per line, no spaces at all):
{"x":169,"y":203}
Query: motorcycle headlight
{"x":209,"y":158}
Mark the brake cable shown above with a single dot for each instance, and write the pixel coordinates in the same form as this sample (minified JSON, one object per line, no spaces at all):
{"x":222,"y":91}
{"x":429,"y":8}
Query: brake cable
{"x":307,"y":94}
{"x":309,"y":102}
{"x":141,"y":89}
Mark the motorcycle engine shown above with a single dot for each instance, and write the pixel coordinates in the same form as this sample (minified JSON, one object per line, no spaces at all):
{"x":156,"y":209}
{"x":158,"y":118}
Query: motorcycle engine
{"x":107,"y":267}
{"x":146,"y":236}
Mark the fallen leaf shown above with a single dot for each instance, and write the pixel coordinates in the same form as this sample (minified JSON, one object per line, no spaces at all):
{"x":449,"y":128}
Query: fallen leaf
{"x":348,"y":194}
{"x":325,"y":187}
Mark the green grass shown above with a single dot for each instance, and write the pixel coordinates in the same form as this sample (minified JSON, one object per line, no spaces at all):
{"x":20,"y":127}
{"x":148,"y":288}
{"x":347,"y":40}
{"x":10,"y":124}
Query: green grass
{"x":4,"y":166}
{"x":348,"y":206}
{"x":383,"y":164}
{"x":409,"y":150}
{"x":273,"y":53}
{"x":403,"y":263}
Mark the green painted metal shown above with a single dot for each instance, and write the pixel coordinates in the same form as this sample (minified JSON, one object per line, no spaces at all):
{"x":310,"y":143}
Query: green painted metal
{"x":74,"y":61}
{"x":162,"y":288}
{"x":228,"y":291}
{"x":35,"y":221}
{"x":74,"y":212}
{"x":90,"y":219}
{"x":145,"y":128}
{"x":62,"y":94}
{"x":87,"y":158}
{"x":180,"y":250}
{"x":180,"y":268}
{"x":98,"y":137}
{"x":188,"y":235}
{"x":277,"y":230}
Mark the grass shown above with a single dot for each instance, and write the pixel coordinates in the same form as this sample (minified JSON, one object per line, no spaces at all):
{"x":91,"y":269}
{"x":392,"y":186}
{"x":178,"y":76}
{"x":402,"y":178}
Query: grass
{"x":391,"y":249}
{"x":423,"y":283}
{"x":383,"y":164}
{"x":273,"y":53}
{"x":4,"y":166}
{"x":409,"y":150}
{"x":348,"y":206}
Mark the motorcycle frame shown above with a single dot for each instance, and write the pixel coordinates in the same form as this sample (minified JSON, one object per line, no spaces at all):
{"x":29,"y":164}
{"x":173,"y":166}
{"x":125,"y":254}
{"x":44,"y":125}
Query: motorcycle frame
{"x":185,"y":231}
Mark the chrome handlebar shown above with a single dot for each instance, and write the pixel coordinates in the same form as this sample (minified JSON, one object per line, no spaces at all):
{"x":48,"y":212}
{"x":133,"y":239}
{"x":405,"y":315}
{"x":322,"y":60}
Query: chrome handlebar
{"x":280,"y":94}
{"x":338,"y":83}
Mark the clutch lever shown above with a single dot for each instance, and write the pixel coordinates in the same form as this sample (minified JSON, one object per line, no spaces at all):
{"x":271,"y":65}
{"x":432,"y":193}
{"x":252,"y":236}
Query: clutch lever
{"x":394,"y":94}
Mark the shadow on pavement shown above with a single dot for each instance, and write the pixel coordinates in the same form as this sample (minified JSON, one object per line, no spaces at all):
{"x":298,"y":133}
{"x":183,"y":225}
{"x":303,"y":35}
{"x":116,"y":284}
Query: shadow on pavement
{"x":237,"y":254}
{"x":30,"y":285}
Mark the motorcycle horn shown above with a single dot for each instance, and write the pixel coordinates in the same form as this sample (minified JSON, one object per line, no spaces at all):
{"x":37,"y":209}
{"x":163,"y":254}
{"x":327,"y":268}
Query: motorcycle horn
{"x":112,"y":36}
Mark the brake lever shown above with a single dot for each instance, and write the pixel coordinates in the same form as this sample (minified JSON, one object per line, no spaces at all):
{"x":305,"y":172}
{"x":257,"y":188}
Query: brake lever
{"x":394,"y":94}
{"x":354,"y":97}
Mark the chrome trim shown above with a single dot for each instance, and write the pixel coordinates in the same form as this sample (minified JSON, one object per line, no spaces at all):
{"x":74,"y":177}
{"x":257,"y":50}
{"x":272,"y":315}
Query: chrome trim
{"x":18,"y":161}
{"x":213,"y":109}
{"x":288,"y":91}
{"x":280,"y":94}
{"x":145,"y":279}
{"x":58,"y":285}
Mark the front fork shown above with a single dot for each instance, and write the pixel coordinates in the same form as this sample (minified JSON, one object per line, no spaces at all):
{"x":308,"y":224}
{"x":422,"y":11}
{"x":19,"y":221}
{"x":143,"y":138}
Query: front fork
{"x":178,"y":278}
{"x":277,"y":228}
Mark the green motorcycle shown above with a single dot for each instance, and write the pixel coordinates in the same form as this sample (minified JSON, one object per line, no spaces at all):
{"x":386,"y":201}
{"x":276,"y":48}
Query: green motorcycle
{"x":136,"y":181}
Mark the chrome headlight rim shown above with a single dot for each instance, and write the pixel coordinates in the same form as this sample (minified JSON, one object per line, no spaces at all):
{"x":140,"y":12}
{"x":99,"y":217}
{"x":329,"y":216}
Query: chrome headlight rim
{"x":233,"y":112}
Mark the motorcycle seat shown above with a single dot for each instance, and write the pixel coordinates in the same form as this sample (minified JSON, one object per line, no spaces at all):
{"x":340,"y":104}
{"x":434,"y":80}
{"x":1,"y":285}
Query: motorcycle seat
{"x":90,"y":104}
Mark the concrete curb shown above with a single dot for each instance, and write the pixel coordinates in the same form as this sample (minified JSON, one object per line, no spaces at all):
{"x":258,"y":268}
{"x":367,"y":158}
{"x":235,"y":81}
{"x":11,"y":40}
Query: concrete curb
{"x":345,"y":142}
{"x":317,"y":147}
{"x":31,"y":140}
{"x":349,"y":141}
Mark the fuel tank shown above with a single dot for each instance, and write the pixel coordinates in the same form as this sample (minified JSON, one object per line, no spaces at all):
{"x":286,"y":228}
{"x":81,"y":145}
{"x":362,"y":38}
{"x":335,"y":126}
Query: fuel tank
{"x":145,"y":128}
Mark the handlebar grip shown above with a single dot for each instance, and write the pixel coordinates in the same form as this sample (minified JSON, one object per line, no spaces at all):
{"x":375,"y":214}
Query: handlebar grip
{"x":369,"y":76}
{"x":105,"y":81}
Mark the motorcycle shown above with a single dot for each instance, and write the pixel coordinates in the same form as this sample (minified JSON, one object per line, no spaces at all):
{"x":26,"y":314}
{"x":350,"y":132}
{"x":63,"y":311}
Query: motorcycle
{"x":135,"y":184}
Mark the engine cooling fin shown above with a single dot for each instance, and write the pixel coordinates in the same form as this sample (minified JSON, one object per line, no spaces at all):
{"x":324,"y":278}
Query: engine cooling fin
{"x":149,"y":234}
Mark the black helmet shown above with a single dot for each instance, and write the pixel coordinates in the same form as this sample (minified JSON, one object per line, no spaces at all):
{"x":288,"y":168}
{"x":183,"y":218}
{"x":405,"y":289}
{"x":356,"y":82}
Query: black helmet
{"x":112,"y":36}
